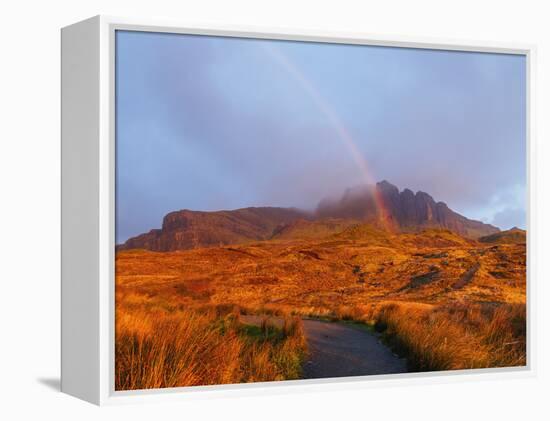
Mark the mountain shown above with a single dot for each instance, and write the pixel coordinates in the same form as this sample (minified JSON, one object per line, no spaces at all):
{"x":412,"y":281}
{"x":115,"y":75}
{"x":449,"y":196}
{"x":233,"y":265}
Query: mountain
{"x":511,"y":236}
{"x":402,"y":211}
{"x":186,"y":229}
{"x":381,"y":206}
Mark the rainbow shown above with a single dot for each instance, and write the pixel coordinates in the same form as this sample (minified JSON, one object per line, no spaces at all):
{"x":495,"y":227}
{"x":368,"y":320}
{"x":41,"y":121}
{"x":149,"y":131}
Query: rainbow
{"x":336,"y":123}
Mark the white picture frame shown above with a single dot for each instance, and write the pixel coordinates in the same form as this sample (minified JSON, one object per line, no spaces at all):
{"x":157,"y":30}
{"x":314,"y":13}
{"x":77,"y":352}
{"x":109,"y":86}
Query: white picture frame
{"x":88,"y":240}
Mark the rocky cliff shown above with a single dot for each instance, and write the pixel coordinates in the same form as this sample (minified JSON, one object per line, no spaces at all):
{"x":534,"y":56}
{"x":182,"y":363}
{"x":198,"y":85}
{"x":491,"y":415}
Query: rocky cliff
{"x":186,"y":229}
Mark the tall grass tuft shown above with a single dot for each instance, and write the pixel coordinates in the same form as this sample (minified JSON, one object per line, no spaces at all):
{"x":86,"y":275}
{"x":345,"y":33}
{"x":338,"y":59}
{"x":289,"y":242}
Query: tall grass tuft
{"x":456,"y":336}
{"x":159,"y":349}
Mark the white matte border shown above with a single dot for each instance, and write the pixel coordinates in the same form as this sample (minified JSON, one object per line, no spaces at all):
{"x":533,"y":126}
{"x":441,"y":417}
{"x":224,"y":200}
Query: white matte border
{"x":108,"y":26}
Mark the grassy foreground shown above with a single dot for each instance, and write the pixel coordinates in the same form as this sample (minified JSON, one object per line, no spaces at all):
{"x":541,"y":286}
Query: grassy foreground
{"x":456,"y":336}
{"x":168,"y":347}
{"x":449,"y":337}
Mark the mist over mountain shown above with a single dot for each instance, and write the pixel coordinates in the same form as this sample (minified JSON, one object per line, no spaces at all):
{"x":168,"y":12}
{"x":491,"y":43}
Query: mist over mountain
{"x":401,"y":210}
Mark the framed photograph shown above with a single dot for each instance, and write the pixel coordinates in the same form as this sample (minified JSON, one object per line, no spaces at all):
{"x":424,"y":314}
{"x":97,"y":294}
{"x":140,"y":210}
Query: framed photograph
{"x":246,"y":209}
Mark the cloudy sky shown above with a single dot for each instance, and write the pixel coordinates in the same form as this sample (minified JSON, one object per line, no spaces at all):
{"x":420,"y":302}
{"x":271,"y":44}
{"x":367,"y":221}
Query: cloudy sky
{"x":209,"y":123}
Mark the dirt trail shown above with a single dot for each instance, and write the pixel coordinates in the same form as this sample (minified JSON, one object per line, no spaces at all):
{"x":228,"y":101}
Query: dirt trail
{"x":340,"y":350}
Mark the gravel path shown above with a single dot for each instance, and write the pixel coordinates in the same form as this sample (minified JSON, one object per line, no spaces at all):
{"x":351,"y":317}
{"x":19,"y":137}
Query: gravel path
{"x":341,"y":350}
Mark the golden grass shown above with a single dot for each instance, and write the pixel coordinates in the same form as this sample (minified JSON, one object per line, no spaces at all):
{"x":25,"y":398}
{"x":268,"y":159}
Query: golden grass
{"x":458,"y":336}
{"x":158,"y":348}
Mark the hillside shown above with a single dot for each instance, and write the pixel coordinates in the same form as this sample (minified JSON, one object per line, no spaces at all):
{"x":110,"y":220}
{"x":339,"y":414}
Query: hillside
{"x":360,"y":265}
{"x":308,"y":230}
{"x":511,"y":236}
